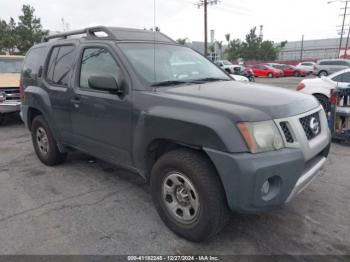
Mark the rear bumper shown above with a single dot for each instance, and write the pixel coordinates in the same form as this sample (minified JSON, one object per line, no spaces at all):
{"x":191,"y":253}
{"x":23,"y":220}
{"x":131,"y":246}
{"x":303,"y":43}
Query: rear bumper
{"x":10,"y":107}
{"x":244,"y":175}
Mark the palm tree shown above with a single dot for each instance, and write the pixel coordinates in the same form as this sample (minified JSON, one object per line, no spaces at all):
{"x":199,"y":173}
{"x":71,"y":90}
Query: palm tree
{"x":219,"y":44}
{"x":228,"y":38}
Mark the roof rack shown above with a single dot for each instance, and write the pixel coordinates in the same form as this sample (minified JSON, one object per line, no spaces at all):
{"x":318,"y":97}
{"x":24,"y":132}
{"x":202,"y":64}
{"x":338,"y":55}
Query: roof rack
{"x":90,"y":34}
{"x":113,"y":33}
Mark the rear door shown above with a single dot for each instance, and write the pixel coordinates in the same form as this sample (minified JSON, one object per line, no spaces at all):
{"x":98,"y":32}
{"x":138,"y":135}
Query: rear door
{"x":101,"y":121}
{"x":57,"y":78}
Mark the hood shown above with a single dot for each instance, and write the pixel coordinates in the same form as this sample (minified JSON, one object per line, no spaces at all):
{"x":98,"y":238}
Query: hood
{"x":273,"y":101}
{"x":239,"y":78}
{"x":9,"y":80}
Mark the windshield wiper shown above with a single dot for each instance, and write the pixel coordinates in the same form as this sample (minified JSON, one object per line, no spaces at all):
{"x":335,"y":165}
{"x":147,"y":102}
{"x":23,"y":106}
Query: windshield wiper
{"x":210,"y":79}
{"x":170,"y":83}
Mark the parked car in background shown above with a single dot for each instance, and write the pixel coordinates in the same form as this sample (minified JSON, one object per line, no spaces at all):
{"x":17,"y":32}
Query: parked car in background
{"x":266,"y":71}
{"x":10,"y":69}
{"x":226,"y":65}
{"x":321,"y":87}
{"x":239,"y":78}
{"x":326,"y":67}
{"x":289,"y":70}
{"x":307,"y":66}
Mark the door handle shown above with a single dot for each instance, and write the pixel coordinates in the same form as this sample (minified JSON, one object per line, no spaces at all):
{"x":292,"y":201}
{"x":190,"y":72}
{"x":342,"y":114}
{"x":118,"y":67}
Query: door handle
{"x":75,"y":101}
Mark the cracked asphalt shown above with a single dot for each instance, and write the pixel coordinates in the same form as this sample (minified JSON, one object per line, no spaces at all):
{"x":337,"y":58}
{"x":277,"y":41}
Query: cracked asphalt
{"x":85,"y":206}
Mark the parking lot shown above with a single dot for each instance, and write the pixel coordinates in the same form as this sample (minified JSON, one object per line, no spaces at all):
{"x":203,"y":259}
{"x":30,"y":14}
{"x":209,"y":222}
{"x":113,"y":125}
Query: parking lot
{"x":86,"y":206}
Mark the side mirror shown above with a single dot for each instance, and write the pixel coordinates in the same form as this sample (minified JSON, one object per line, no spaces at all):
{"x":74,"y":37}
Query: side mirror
{"x":104,"y":83}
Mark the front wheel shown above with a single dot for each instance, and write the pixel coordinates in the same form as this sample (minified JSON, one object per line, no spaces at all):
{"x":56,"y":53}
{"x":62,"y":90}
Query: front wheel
{"x":322,"y":73}
{"x":270,"y":75}
{"x":188,"y":194}
{"x":45,"y":145}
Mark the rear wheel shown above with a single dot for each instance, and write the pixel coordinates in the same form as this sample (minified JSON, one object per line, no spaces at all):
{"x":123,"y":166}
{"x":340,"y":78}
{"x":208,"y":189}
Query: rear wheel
{"x":188,"y":194}
{"x":270,"y":75}
{"x":45,"y":145}
{"x":323,"y":73}
{"x":324,"y":101}
{"x":297,"y":74}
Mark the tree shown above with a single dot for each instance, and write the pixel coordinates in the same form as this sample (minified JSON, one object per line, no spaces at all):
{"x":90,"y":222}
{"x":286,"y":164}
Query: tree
{"x":228,"y":37}
{"x":253,"y":48}
{"x":29,"y":29}
{"x":182,"y":41}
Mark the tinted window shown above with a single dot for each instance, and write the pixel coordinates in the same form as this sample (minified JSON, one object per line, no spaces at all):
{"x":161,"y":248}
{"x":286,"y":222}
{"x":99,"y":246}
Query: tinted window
{"x":345,"y":78}
{"x":60,"y":65}
{"x":97,"y":61}
{"x":306,"y":64}
{"x":33,"y":60}
{"x":10,"y":66}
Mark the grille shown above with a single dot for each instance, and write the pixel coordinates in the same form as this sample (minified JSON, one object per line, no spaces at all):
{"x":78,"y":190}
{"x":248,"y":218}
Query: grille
{"x":305,"y":122}
{"x":287,"y":133}
{"x":12,"y":93}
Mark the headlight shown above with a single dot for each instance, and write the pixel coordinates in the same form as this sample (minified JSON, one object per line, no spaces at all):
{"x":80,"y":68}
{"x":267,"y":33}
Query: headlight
{"x":261,"y":136}
{"x":2,"y":97}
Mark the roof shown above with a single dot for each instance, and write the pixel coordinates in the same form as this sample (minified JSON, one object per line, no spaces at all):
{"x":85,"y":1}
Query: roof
{"x":12,"y":56}
{"x":114,"y":33}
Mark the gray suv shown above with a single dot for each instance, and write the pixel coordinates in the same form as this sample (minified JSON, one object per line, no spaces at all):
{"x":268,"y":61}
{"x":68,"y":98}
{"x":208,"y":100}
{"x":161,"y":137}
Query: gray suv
{"x":207,"y":144}
{"x":329,"y":66}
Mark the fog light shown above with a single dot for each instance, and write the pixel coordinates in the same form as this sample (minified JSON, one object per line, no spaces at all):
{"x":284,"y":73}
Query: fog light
{"x":265,"y":188}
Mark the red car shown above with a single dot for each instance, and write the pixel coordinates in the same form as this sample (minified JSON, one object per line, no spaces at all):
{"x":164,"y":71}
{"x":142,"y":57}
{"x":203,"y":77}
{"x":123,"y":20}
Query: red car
{"x":266,"y":71}
{"x":289,"y":70}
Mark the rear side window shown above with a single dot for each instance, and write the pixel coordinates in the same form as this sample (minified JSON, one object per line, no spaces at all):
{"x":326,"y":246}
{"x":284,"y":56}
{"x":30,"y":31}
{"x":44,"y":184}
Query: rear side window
{"x":60,"y":65}
{"x":33,"y":61}
{"x":306,"y":64}
{"x":97,"y":61}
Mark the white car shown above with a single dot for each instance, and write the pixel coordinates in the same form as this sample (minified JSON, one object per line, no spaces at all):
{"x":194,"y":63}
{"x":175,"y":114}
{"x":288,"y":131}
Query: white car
{"x":321,"y":87}
{"x":239,"y":78}
{"x":307,"y":66}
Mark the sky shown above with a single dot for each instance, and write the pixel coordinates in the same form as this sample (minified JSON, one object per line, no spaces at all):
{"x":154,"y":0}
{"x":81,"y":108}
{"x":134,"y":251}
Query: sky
{"x":282,"y":19}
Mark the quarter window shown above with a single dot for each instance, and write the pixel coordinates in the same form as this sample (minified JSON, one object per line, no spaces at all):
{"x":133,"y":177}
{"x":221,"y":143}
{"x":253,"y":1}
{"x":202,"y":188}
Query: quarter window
{"x":97,"y":61}
{"x":60,"y":65}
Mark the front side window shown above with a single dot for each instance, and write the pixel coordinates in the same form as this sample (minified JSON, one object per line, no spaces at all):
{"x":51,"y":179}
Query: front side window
{"x":97,"y":61}
{"x":60,"y":65}
{"x":10,"y":66}
{"x":160,"y":62}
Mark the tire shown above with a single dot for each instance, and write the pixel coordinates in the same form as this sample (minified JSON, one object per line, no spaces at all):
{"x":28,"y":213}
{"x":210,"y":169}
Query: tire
{"x":45,"y":145}
{"x":270,"y":75}
{"x":190,"y":170}
{"x":323,"y":73}
{"x":324,"y":101}
{"x":2,"y":118}
{"x":297,"y":74}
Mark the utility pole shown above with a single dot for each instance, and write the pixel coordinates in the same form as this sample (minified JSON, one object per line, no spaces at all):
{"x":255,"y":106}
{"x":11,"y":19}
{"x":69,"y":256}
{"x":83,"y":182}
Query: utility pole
{"x":205,"y":3}
{"x":342,"y":27}
{"x":302,"y":48}
{"x":347,"y":43}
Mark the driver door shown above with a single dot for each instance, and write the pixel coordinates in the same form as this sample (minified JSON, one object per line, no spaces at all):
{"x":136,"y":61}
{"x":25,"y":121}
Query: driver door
{"x":101,"y":121}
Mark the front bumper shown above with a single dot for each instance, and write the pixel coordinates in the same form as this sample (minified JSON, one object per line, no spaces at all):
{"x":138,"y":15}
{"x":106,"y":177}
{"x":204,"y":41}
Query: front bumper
{"x":243,"y":176}
{"x":10,"y":107}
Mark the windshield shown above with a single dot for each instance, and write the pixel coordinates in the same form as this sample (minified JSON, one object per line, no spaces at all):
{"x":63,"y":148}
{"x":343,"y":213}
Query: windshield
{"x":160,"y":63}
{"x":10,"y":66}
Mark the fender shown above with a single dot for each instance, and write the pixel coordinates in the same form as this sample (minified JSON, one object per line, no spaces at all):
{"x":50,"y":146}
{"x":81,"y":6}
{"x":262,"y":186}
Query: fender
{"x":39,"y":99}
{"x":183,"y":126}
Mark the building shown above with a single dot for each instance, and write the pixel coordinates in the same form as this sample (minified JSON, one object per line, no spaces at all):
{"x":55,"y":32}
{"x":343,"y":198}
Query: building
{"x":313,"y":49}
